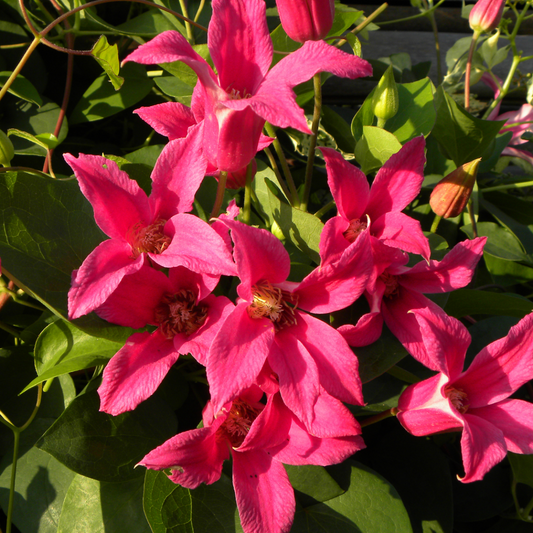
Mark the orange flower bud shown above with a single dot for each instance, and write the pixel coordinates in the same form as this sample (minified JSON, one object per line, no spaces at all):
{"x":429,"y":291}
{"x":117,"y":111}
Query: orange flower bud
{"x":450,"y":195}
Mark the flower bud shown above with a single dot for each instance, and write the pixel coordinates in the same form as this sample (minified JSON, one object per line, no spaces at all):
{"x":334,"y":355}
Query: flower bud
{"x":486,"y":15}
{"x":6,"y":150}
{"x":451,"y":194}
{"x":237,"y":179}
{"x":385,"y":101}
{"x":306,"y":20}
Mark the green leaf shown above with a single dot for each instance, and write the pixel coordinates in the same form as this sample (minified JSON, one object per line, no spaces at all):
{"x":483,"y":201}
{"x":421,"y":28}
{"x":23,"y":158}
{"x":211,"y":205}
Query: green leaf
{"x":338,"y":128}
{"x":148,"y":24}
{"x":47,"y":229}
{"x":461,"y":136}
{"x":375,"y":148}
{"x":62,"y":348}
{"x":501,"y":243}
{"x":101,"y":100}
{"x":522,"y":466}
{"x":416,"y":113}
{"x":378,"y":357}
{"x":176,"y":88}
{"x":363,"y":117}
{"x":107,"y":57}
{"x":48,"y":141}
{"x":464,"y":302}
{"x":22,"y":88}
{"x":369,"y":505}
{"x":507,"y":273}
{"x":171,"y":508}
{"x":105,"y":447}
{"x":100,"y":507}
{"x":301,"y":228}
{"x":313,"y":483}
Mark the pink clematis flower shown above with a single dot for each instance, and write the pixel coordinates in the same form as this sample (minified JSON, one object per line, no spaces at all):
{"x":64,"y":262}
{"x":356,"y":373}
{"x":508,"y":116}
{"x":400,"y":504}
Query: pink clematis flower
{"x":267,"y":326}
{"x":140,"y":227}
{"x":234,"y":105}
{"x":396,"y":184}
{"x":395,"y":289}
{"x":475,"y":401}
{"x":521,"y":120}
{"x":187,"y":317}
{"x":259,"y":438}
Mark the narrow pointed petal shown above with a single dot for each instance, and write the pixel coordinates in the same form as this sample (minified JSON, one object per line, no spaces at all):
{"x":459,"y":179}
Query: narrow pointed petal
{"x":335,"y":286}
{"x":337,"y":364}
{"x":348,"y":185}
{"x":399,"y":180}
{"x":135,"y":371}
{"x":240,"y":44}
{"x":259,"y":256}
{"x":332,"y":240}
{"x":99,"y":276}
{"x":453,"y":272}
{"x":171,"y":46}
{"x":482,"y":447}
{"x":517,"y":152}
{"x":501,"y":367}
{"x":170,"y":119}
{"x":265,"y":497}
{"x":422,"y":422}
{"x":237,"y":354}
{"x":366,"y":331}
{"x":515,"y":419}
{"x":199,"y":343}
{"x":177,"y":174}
{"x":133,"y":302}
{"x":196,"y":246}
{"x":401,"y":231}
{"x":195,"y":456}
{"x":297,"y":374}
{"x":118,"y":202}
{"x":446,"y":340}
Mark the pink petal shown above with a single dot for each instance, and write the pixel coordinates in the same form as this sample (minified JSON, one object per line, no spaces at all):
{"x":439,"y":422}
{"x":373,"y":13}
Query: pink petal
{"x":237,"y":354}
{"x":171,"y":119}
{"x":135,"y":371}
{"x":199,"y":343}
{"x":133,"y":302}
{"x":196,"y":456}
{"x":349,"y":186}
{"x":297,"y":374}
{"x":99,"y":276}
{"x":515,"y":419}
{"x":177,"y":174}
{"x":196,"y":246}
{"x":259,"y":256}
{"x":337,"y":364}
{"x":119,"y":203}
{"x":399,"y":180}
{"x":516,"y":152}
{"x":201,"y":284}
{"x":525,"y":115}
{"x":453,"y":272}
{"x":366,"y":331}
{"x":332,"y":240}
{"x":482,"y":446}
{"x":445,"y":339}
{"x":401,"y":231}
{"x":422,"y":422}
{"x":265,"y":497}
{"x":501,"y":367}
{"x":337,"y":285}
{"x":240,"y":44}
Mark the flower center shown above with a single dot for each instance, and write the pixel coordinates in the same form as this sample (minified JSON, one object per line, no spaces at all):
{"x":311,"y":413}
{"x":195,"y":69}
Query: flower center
{"x":238,"y":423}
{"x":355,"y":228}
{"x":234,"y":94}
{"x":178,"y":313}
{"x":391,"y":285}
{"x":273,"y":303}
{"x":150,"y":239}
{"x":458,"y":398}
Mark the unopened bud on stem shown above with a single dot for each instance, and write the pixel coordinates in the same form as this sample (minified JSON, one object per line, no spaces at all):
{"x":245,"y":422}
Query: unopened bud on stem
{"x":486,"y":15}
{"x":385,"y":101}
{"x":450,"y":195}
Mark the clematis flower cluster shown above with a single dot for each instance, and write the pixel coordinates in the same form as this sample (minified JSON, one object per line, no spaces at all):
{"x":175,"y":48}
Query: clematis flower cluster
{"x":278,"y":375}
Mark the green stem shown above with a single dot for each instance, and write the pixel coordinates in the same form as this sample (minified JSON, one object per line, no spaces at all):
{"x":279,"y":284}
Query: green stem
{"x":323,"y":210}
{"x":475,"y":37}
{"x":435,"y":224}
{"x":293,"y":197}
{"x":365,"y":23}
{"x":188,"y":27}
{"x":402,"y":374}
{"x":413,"y":17}
{"x":247,"y":210}
{"x":199,"y":10}
{"x":508,"y":186}
{"x":470,"y":207}
{"x":10,"y":330}
{"x":381,"y":123}
{"x":432,"y":20}
{"x":317,"y":85}
{"x":376,"y":418}
{"x":220,"y":194}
